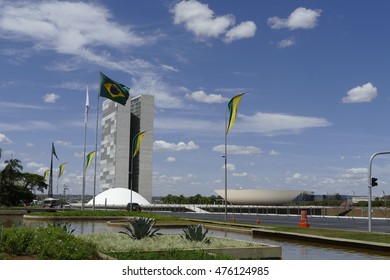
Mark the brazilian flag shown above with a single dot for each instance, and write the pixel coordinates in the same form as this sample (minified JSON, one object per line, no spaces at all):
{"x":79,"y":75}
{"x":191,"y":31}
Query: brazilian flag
{"x":137,"y":142}
{"x":89,"y":159}
{"x":113,"y":90}
{"x":233,"y":107}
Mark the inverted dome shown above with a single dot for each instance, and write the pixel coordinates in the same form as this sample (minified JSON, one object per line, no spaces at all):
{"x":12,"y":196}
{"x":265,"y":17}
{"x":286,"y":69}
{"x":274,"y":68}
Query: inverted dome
{"x":258,"y":196}
{"x":118,"y":197}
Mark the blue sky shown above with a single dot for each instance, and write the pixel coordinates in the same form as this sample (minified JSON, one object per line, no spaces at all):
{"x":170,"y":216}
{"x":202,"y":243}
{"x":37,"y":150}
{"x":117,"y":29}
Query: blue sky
{"x":315,"y":72}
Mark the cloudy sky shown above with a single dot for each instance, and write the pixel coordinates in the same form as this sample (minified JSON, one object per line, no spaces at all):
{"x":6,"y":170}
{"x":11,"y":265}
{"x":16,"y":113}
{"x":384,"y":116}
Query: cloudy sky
{"x":315,"y":73}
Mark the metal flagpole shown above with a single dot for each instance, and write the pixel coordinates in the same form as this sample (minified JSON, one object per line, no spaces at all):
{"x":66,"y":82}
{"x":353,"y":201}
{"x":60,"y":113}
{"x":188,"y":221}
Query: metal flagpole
{"x":131,"y":174}
{"x":131,"y":160}
{"x":85,"y":144}
{"x":50,"y":192}
{"x":96,"y":139}
{"x":225,"y":165}
{"x":58,"y":179}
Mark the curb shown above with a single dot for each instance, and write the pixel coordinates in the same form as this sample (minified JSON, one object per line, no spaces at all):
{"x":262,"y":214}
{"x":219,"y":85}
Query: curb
{"x":367,"y":245}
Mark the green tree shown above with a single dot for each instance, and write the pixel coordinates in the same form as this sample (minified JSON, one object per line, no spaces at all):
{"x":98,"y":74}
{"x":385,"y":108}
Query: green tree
{"x":16,"y":186}
{"x":33,"y":182}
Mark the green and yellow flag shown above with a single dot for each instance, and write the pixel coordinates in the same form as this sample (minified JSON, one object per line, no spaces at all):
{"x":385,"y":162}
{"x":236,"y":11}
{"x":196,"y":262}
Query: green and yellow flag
{"x":62,"y":166}
{"x":46,"y":174}
{"x":233,"y":107}
{"x":89,"y":159}
{"x":113,"y":90}
{"x":137,"y":142}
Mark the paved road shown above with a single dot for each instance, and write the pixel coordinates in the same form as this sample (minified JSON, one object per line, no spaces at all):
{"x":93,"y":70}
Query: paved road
{"x":346,"y":223}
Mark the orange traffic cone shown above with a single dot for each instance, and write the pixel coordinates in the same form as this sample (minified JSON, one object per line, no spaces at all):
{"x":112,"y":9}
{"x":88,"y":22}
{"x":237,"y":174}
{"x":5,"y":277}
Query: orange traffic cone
{"x":303,"y":223}
{"x":233,"y":219}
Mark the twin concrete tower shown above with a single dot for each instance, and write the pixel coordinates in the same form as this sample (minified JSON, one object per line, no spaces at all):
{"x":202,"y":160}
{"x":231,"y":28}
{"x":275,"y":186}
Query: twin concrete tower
{"x":120,"y":124}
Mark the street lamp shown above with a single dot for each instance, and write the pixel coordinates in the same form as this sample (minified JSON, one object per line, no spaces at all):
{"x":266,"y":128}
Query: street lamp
{"x":372,"y":182}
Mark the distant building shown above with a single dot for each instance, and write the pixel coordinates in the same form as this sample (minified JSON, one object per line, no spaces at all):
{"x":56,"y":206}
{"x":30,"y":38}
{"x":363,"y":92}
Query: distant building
{"x":119,"y":127}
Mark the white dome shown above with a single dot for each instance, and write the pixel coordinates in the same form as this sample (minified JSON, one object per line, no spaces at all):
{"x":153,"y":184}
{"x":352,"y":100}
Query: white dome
{"x":118,"y":197}
{"x":259,"y":197}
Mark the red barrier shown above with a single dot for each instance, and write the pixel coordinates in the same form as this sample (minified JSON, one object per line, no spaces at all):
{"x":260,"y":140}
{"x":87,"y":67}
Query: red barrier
{"x":303,"y":223}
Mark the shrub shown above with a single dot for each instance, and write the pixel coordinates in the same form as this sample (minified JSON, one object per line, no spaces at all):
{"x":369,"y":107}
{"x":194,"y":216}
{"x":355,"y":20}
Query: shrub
{"x":196,"y":233}
{"x":140,"y":228}
{"x":16,"y":240}
{"x":51,"y":243}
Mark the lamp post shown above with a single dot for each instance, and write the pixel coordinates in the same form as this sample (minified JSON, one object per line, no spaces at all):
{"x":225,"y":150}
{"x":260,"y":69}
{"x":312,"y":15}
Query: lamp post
{"x":370,"y":186}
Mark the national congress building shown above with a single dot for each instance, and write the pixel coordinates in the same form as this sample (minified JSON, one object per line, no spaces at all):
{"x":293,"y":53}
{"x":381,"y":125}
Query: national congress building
{"x":120,"y":124}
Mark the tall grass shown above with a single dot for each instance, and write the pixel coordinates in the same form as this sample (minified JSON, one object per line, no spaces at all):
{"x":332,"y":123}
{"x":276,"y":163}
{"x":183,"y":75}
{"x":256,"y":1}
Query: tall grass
{"x":115,"y":242}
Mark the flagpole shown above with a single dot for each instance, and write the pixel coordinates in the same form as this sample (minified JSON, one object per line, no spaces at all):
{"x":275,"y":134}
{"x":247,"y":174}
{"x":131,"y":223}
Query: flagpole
{"x":85,"y":145}
{"x":96,"y":140}
{"x":131,"y":174}
{"x":57,"y":185}
{"x":50,"y":192}
{"x":226,"y":165}
{"x":131,"y":162}
{"x":233,"y":107}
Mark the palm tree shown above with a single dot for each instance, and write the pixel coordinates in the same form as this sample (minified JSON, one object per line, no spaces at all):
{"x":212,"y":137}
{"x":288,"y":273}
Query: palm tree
{"x":12,"y":168}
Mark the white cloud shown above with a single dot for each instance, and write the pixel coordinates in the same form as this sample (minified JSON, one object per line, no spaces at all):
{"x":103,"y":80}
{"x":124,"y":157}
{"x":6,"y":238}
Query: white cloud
{"x":29,"y":125}
{"x":229,"y":167}
{"x":202,"y":21}
{"x":4,"y":139}
{"x":161,"y":145}
{"x":14,"y":105}
{"x":237,"y":150}
{"x":364,"y":93}
{"x":152,"y":84}
{"x":77,"y":29}
{"x":169,"y":68}
{"x":299,"y":18}
{"x":296,"y":178}
{"x":272,"y":124}
{"x":286,"y":43}
{"x":62,"y":143}
{"x":274,"y":153}
{"x":243,"y":174}
{"x":245,"y":29}
{"x":51,"y":98}
{"x":355,"y":173}
{"x":201,"y":96}
{"x":170,"y":159}
{"x":34,"y":165}
{"x":66,"y":27}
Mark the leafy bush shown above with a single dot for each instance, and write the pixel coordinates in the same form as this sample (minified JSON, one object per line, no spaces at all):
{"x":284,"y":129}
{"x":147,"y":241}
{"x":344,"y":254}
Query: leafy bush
{"x":140,"y":228}
{"x":51,"y":243}
{"x":16,"y":240}
{"x":196,"y":233}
